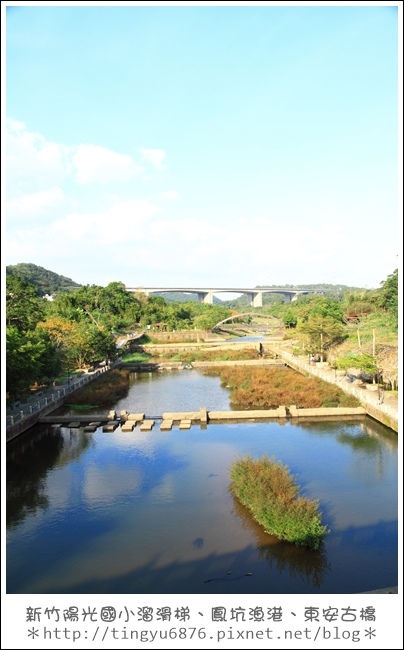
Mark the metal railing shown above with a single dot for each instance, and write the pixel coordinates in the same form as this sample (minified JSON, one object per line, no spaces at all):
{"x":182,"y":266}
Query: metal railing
{"x":54,"y":394}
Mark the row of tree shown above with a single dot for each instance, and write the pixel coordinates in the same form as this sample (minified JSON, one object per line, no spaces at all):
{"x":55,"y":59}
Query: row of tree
{"x":43,"y":337}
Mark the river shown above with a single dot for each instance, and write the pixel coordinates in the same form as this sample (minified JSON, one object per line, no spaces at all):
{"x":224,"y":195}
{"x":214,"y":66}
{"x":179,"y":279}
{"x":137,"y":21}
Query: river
{"x":151,"y":512}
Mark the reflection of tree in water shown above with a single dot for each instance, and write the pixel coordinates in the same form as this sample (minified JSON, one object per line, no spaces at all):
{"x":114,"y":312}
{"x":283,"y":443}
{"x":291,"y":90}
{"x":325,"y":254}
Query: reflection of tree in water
{"x":368,"y":439}
{"x":370,"y":443}
{"x":386,"y":437}
{"x":75,"y":442}
{"x":299,"y":561}
{"x":370,"y":433}
{"x":360,"y":442}
{"x":29,"y":459}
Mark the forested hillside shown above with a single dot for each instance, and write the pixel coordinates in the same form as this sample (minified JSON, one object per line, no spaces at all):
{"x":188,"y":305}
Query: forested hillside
{"x":46,"y":282}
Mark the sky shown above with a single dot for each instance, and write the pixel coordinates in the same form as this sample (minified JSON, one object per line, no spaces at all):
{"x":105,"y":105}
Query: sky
{"x":203,"y":144}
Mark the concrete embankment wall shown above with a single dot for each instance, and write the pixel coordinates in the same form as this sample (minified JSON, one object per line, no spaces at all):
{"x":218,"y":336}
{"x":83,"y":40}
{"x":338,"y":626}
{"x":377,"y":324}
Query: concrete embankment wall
{"x":325,"y":412}
{"x":30,"y":420}
{"x":384,"y":413}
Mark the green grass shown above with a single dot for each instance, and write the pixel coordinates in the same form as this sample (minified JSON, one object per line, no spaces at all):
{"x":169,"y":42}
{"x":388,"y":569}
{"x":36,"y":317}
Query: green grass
{"x":135,"y":357}
{"x":82,"y":407}
{"x":245,"y":354}
{"x":269,"y":491}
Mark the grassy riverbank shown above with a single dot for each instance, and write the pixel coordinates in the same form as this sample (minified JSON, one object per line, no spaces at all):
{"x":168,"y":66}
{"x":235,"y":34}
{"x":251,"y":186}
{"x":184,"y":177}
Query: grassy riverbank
{"x":245,"y":354}
{"x":270,"y":492}
{"x":105,"y":391}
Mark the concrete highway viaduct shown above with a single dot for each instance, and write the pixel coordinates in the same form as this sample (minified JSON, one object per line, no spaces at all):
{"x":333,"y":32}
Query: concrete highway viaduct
{"x":254,"y":296}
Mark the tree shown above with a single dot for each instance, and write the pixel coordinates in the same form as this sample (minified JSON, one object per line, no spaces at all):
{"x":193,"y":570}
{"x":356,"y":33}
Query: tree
{"x":89,"y":343}
{"x":365,"y":362}
{"x":321,"y":332}
{"x":23,"y":307}
{"x":289,"y":319}
{"x":31,"y":357}
{"x":388,"y":294}
{"x":325,"y":308}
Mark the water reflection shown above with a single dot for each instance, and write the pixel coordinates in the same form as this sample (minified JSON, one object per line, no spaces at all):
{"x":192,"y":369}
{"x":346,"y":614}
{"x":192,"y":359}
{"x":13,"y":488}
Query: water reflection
{"x":298,"y":561}
{"x":150,"y":512}
{"x":28,"y":464}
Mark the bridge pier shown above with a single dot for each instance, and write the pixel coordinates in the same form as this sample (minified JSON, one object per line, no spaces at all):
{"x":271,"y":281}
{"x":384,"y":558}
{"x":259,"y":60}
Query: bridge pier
{"x":207,"y":298}
{"x":257,"y":299}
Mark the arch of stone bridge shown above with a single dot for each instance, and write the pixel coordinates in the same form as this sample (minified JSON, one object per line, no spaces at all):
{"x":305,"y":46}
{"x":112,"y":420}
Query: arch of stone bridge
{"x":248,"y":313}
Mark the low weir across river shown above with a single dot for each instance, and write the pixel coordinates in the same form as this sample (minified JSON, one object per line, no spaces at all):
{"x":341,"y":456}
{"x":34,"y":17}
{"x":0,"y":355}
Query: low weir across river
{"x":202,"y":417}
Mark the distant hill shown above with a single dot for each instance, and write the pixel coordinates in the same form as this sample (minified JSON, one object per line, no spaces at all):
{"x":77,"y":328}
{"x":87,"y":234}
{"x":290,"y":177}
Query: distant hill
{"x":319,"y":287}
{"x":46,"y":282}
{"x":177,"y":296}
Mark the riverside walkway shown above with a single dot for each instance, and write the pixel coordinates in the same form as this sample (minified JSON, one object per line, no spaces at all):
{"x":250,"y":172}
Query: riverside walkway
{"x":377,"y":402}
{"x":23,"y":415}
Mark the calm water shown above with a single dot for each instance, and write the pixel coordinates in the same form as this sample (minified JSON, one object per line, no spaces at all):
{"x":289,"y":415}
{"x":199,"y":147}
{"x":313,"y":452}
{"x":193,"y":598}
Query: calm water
{"x":151,"y":512}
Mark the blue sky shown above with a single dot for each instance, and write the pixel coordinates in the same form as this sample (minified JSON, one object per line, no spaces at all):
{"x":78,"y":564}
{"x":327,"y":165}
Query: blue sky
{"x":196,"y":145}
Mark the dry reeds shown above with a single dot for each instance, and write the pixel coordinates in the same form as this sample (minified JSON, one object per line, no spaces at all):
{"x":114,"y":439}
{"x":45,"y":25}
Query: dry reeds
{"x":268,"y":388}
{"x":109,"y":388}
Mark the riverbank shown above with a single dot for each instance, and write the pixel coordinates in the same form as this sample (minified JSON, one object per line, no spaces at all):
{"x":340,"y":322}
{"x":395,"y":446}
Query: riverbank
{"x":24,"y":417}
{"x":376,"y":402}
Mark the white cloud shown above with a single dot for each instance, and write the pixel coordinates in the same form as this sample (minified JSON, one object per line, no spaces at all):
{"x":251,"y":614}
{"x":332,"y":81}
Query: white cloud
{"x":33,"y":164}
{"x":95,"y":163}
{"x":154,"y":156}
{"x":123,"y":221}
{"x":135,"y":243}
{"x":171,"y":195}
{"x":34,"y":204}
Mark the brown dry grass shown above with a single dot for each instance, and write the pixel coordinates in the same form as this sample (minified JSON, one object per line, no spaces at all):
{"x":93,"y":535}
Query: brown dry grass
{"x":268,"y":388}
{"x":106,"y":390}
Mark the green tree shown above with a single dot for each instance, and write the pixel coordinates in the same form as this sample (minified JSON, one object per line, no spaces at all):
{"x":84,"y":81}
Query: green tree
{"x":89,"y":343}
{"x":388,"y":294}
{"x":321,"y":332}
{"x":325,"y":308}
{"x":31,"y":357}
{"x":23,"y":307}
{"x":289,"y":319}
{"x":365,"y":362}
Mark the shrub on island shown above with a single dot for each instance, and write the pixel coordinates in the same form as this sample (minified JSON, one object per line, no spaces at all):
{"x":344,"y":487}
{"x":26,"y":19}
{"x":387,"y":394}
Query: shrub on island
{"x":270,"y":492}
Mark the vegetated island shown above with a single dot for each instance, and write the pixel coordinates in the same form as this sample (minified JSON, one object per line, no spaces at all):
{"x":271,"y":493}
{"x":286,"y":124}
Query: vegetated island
{"x":266,"y":487}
